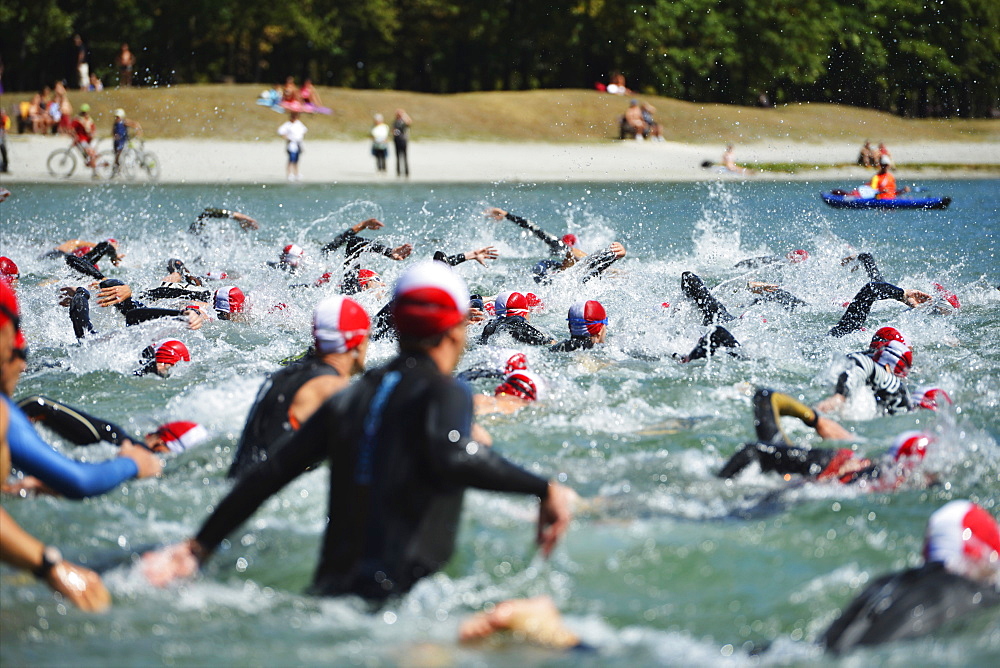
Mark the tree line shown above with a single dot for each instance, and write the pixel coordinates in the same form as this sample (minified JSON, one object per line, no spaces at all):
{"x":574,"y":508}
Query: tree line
{"x":912,"y":57}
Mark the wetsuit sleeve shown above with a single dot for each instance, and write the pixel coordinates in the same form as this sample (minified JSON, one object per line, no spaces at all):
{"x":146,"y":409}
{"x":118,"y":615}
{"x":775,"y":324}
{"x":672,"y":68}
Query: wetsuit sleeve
{"x":72,"y":424}
{"x":305,"y":449}
{"x":859,"y":308}
{"x":168,"y":292}
{"x":711,"y":308}
{"x":719,"y":337}
{"x":138,"y":315}
{"x":768,"y":408}
{"x":382,"y":324}
{"x":100,"y":250}
{"x":84,"y":267}
{"x":72,"y":479}
{"x":450,"y":260}
{"x":525,"y":332}
{"x":460,"y":461}
{"x":555,"y":244}
{"x":79,"y":313}
{"x":597,"y":263}
{"x":339,"y":241}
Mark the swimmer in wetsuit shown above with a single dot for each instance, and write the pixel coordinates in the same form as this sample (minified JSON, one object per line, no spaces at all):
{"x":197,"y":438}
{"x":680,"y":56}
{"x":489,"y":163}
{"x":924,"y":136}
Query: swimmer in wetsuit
{"x":113,"y":292}
{"x":564,"y":253}
{"x":518,"y":389}
{"x":160,"y":357}
{"x":400,"y":461}
{"x":588,"y":326}
{"x":356,"y":246}
{"x":775,"y":453}
{"x":290,"y":396}
{"x":245,"y":221}
{"x":511,"y":316}
{"x":881,"y":369}
{"x":959,"y":578}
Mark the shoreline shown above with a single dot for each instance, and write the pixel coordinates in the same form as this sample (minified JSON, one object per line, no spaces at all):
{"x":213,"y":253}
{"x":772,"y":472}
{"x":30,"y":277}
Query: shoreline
{"x":197,"y":161}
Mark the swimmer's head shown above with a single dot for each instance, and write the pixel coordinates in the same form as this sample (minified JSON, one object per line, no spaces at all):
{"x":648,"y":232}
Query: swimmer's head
{"x":535,"y":302}
{"x":168,"y":353}
{"x":569,"y":239}
{"x":175,"y":266}
{"x":229,"y":300}
{"x":884,"y":336}
{"x":933,"y":398}
{"x":797,"y":256}
{"x":291,"y":255}
{"x":9,"y":310}
{"x":368,"y":279}
{"x":176,"y":437}
{"x":910,"y":447}
{"x":217,"y":275}
{"x":587,"y":318}
{"x":897,"y":356}
{"x":522,"y":384}
{"x":946,"y":301}
{"x":428,"y":300}
{"x":516,"y":362}
{"x":9,"y":272}
{"x":340,"y":324}
{"x":510,"y":304}
{"x":966,"y":539}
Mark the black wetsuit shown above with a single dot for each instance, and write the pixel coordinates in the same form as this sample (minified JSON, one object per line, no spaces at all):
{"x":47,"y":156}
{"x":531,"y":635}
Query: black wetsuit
{"x":135,"y":312}
{"x":269,"y":424}
{"x":573,"y":343}
{"x":713,"y":311}
{"x":450,"y":260}
{"x":87,"y":265}
{"x":355,"y":247}
{"x":718,"y":338}
{"x":857,"y":312}
{"x":168,"y":290}
{"x":400,"y":460}
{"x":71,"y":423}
{"x":775,"y":453}
{"x":908,"y":604}
{"x":593,"y":265}
{"x":518,"y":327}
{"x":198,"y":226}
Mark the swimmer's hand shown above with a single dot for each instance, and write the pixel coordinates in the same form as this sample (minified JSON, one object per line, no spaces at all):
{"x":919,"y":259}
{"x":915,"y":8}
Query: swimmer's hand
{"x":831,"y":431}
{"x":477,"y":315}
{"x":495,"y":213}
{"x":195,"y":318}
{"x":759,"y":287}
{"x":370,"y":224}
{"x":30,"y":485}
{"x":82,"y":586}
{"x":171,"y":563}
{"x":245,"y":221}
{"x":401,"y":252}
{"x":66,"y":297}
{"x":915,"y":297}
{"x":617,"y":249}
{"x":149,"y":464}
{"x":483,"y":254}
{"x":554,"y":515}
{"x":115,"y":294}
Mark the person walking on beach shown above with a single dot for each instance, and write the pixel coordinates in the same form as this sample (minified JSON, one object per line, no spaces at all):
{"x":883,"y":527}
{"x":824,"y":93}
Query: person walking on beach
{"x":125,"y":61}
{"x":380,"y":142}
{"x":294,"y":131}
{"x":401,"y":138}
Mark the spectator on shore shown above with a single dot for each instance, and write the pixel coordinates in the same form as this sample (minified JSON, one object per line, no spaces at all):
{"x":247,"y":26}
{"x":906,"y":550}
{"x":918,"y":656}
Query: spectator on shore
{"x":653,"y":129}
{"x":729,"y":162}
{"x":309,"y":95}
{"x":125,"y":62}
{"x":617,"y":85}
{"x":401,"y":139}
{"x":868,"y":157}
{"x":81,"y":68}
{"x":380,"y":142}
{"x":632,"y":123}
{"x":290,"y":92}
{"x":95,"y":83}
{"x":294,"y":131}
{"x":883,"y":155}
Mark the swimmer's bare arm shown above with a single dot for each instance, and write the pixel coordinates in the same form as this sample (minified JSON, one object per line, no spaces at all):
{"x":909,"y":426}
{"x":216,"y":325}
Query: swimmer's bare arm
{"x":245,"y":221}
{"x":400,"y":252}
{"x":554,"y":516}
{"x":915,"y":297}
{"x":312,"y":394}
{"x":149,"y":464}
{"x":370,"y":224}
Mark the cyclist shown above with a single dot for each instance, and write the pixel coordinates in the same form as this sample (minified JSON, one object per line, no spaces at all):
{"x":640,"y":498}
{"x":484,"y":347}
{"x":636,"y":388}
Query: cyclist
{"x":83,"y":134}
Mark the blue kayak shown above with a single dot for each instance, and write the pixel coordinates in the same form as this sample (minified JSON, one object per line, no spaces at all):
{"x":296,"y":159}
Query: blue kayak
{"x":838,"y":201}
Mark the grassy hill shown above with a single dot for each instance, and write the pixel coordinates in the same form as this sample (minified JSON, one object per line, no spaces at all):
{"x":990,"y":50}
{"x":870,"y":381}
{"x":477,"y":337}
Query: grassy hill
{"x":229,"y":112}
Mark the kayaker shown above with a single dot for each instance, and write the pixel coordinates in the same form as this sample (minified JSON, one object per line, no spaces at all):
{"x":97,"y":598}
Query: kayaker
{"x":884,"y":183}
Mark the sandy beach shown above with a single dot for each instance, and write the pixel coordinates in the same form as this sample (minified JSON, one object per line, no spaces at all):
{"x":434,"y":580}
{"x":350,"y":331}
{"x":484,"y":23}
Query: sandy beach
{"x":263,"y":161}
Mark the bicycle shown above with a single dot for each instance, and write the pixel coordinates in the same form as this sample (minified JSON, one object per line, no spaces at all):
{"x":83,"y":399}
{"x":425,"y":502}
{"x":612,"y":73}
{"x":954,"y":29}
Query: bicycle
{"x":61,"y":163}
{"x":134,"y":157}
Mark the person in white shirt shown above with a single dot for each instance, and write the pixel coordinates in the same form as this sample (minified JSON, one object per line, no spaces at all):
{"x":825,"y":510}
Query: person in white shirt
{"x":294,"y":131}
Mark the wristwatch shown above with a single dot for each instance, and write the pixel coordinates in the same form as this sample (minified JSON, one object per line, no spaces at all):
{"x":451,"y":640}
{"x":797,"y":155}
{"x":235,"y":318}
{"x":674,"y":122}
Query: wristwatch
{"x":51,"y":556}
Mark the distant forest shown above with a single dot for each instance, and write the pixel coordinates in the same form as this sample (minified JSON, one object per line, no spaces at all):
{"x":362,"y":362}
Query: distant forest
{"x":911,"y":57}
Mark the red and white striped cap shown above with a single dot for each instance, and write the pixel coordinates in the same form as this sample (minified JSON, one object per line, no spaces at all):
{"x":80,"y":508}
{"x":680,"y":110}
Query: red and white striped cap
{"x":523,"y":384}
{"x":368,"y":278}
{"x":8,"y":270}
{"x":912,"y":444}
{"x":229,"y":299}
{"x":429,"y":299}
{"x":963,"y":537}
{"x":897,"y":355}
{"x":171,"y":351}
{"x":339,"y":324}
{"x":292,"y":254}
{"x":179,"y":436}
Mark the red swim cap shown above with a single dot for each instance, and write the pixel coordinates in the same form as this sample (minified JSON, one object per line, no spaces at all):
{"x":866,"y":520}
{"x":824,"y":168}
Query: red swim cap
{"x":884,"y":336}
{"x":292,"y":254}
{"x":516,"y":362}
{"x":947,"y":295}
{"x":911,"y":444}
{"x":8,"y":270}
{"x":535,"y":302}
{"x":9,"y":310}
{"x":366,"y":277}
{"x":523,"y":384}
{"x":797,"y":256}
{"x":586,"y":318}
{"x":511,"y":303}
{"x":429,"y":299}
{"x":897,"y":355}
{"x":229,"y":299}
{"x":934,"y":397}
{"x":179,"y":436}
{"x":339,"y":324}
{"x":171,"y":352}
{"x":963,"y":537}
{"x":569,"y":239}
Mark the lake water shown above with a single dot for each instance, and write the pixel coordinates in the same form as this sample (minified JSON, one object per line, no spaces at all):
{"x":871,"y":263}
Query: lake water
{"x":671,"y":566}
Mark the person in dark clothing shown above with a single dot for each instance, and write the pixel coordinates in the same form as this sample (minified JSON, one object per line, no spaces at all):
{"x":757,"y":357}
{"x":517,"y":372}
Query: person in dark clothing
{"x":401,"y":457}
{"x":717,"y":338}
{"x":880,"y":369}
{"x":563,"y":252}
{"x":857,"y":311}
{"x":775,"y":453}
{"x":113,"y":292}
{"x":355,"y":247}
{"x":792,"y":257}
{"x":959,"y":578}
{"x":588,"y":326}
{"x":290,"y":396}
{"x":245,"y":221}
{"x":511,"y":316}
{"x":714,"y":312}
{"x":86,"y":262}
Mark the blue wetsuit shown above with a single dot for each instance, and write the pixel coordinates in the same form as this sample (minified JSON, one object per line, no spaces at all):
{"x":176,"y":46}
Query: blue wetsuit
{"x":76,"y":480}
